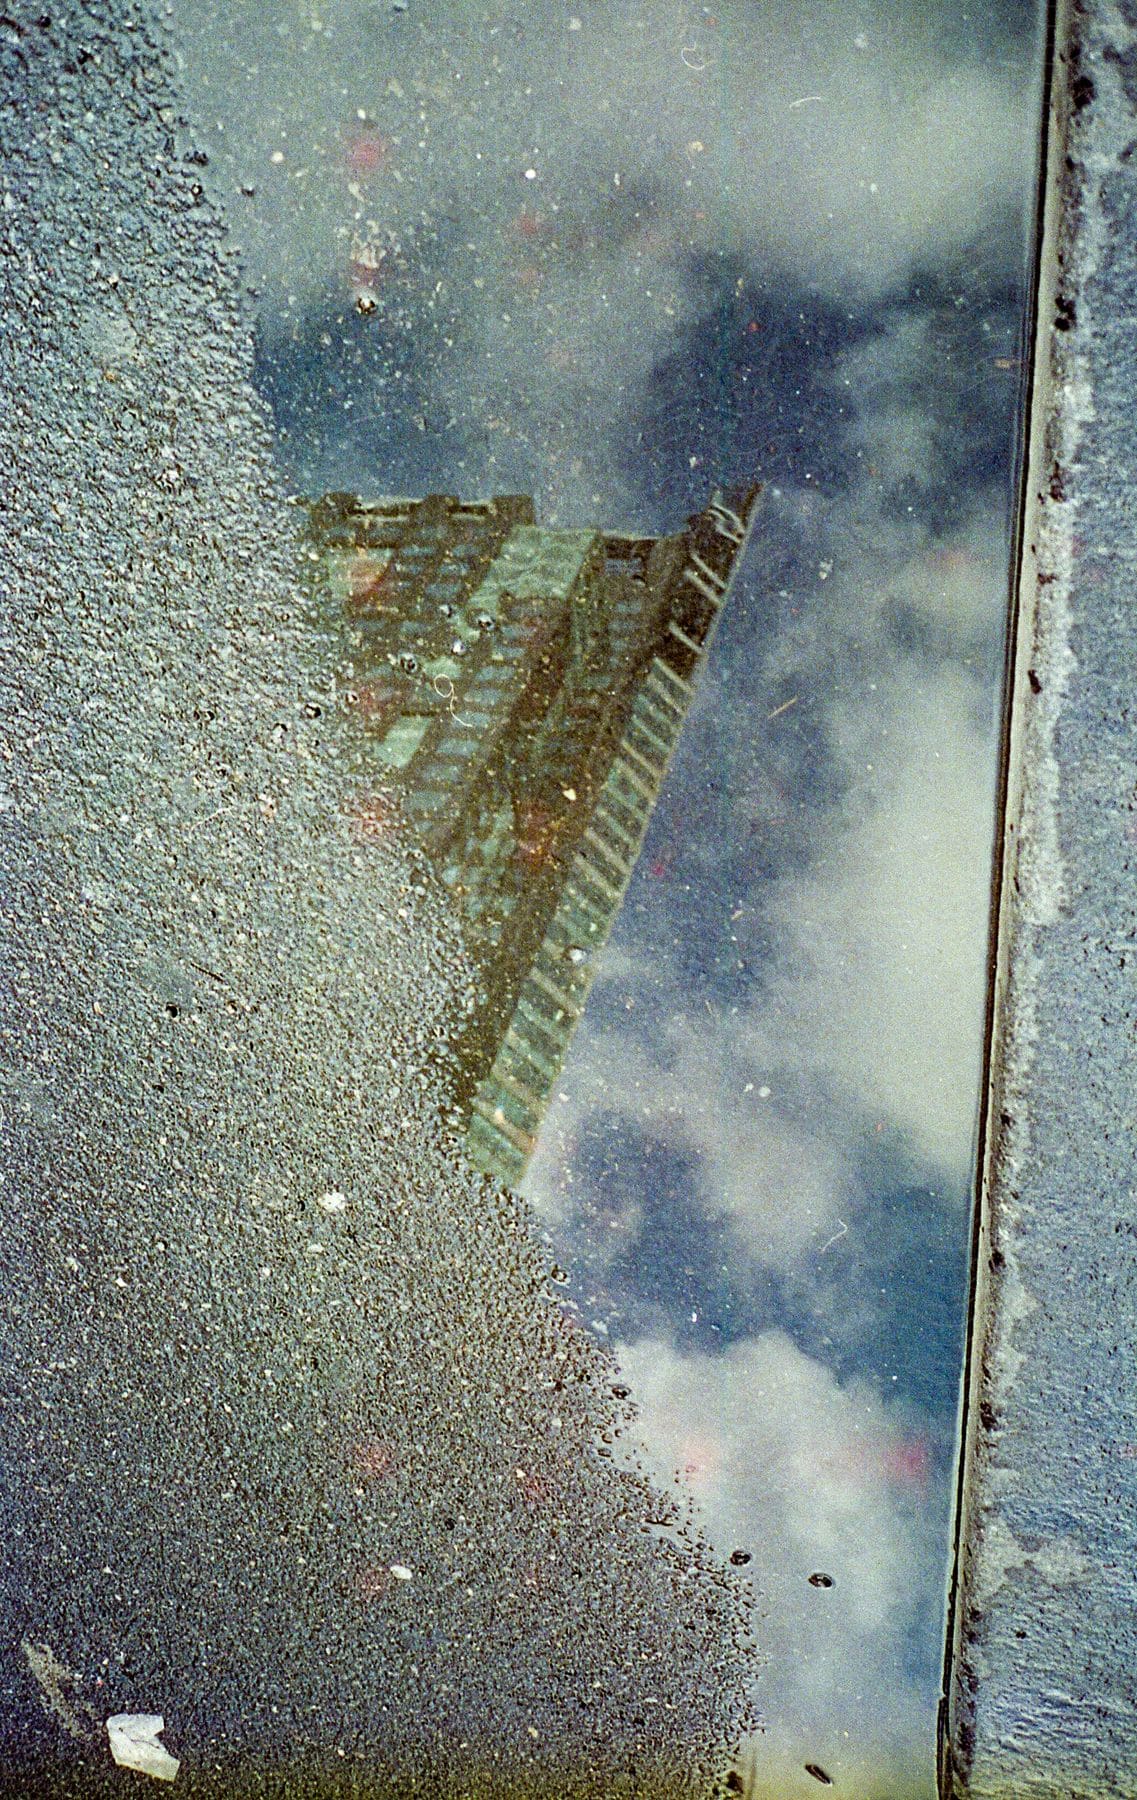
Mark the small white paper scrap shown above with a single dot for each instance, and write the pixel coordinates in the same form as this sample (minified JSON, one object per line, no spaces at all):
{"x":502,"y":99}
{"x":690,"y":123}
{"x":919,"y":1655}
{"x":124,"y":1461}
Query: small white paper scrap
{"x":134,"y":1745}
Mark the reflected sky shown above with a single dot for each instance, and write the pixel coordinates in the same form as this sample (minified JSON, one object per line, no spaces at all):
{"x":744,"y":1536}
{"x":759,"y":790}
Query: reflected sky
{"x":612,"y":258}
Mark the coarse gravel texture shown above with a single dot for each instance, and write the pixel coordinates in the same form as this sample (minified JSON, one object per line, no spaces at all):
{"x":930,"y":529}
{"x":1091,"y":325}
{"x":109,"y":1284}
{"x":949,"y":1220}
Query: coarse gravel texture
{"x":303,"y":1447}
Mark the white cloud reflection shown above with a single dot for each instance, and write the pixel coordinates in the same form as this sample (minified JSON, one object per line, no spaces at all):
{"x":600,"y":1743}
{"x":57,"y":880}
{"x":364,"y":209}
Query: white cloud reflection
{"x":547,"y":199}
{"x":887,"y":932}
{"x":838,"y":149}
{"x":866,"y":1028}
{"x":812,"y":1478}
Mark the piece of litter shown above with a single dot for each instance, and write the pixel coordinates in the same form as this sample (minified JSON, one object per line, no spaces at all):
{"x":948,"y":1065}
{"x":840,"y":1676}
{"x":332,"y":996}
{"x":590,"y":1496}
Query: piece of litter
{"x":134,"y":1745}
{"x":333,"y":1201}
{"x":784,"y":707}
{"x":401,"y":1572}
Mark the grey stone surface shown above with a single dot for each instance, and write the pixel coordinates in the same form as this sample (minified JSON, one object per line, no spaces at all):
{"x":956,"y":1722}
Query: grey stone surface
{"x":1044,"y":1684}
{"x":302,"y":1448}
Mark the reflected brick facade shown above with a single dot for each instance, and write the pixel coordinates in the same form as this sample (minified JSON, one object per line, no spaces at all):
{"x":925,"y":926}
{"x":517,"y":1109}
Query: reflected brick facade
{"x":524,"y":688}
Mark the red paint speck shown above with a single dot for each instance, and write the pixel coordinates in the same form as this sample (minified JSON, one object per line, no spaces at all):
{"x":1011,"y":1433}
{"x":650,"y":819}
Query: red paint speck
{"x":908,"y":1463}
{"x":363,"y":274}
{"x":378,"y":701}
{"x":537,"y":829}
{"x":528,"y":224}
{"x":904,"y":1461}
{"x":366,"y":152}
{"x":372,"y":1458}
{"x":373,"y":1584}
{"x":701,"y":1458}
{"x":374,"y":819}
{"x":534,"y":1488}
{"x":367,"y":582}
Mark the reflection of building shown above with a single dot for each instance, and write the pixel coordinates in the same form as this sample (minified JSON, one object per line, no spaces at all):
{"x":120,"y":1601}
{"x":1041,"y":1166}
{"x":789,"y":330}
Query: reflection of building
{"x":525,"y":688}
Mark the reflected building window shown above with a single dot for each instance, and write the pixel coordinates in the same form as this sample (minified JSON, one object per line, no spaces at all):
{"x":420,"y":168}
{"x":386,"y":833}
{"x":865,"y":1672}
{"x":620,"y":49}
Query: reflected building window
{"x":524,"y":687}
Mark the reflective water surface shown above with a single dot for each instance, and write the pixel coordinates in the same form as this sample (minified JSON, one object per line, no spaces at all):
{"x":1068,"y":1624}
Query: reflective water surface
{"x":526,"y":1014}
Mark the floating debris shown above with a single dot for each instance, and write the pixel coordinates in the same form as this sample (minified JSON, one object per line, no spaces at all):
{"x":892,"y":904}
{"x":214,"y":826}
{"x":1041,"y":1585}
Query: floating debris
{"x":134,"y":1745}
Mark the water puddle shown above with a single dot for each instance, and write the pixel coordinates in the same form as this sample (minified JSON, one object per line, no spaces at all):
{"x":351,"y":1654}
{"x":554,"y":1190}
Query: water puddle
{"x":645,"y":383}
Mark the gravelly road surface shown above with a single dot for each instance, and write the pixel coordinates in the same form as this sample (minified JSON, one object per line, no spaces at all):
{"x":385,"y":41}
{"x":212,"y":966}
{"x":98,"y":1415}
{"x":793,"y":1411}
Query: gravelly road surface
{"x":264,"y":1338}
